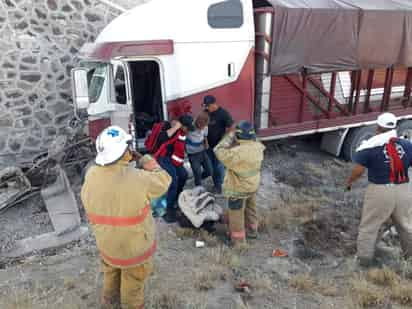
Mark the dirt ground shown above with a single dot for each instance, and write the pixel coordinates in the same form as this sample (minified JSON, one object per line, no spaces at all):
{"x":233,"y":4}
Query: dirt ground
{"x":304,"y":210}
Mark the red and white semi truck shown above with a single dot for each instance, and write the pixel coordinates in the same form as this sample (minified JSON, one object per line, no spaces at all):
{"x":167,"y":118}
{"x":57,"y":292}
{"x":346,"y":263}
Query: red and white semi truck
{"x":290,"y":67}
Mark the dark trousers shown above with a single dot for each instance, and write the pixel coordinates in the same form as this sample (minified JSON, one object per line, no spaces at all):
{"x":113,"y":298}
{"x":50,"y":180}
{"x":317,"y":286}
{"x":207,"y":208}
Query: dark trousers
{"x":201,"y":166}
{"x":179,"y":177}
{"x":218,"y":168}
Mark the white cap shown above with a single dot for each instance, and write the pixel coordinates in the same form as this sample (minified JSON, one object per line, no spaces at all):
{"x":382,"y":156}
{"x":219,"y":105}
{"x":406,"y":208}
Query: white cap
{"x":387,"y":120}
{"x":111,"y":144}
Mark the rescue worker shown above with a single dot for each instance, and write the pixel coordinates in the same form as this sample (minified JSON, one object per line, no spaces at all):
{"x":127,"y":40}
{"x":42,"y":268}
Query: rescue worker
{"x":117,"y":198}
{"x":387,"y":159}
{"x":242,"y":157}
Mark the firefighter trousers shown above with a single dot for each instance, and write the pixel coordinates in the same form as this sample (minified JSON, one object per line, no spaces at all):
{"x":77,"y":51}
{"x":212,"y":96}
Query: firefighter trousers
{"x":124,"y":286}
{"x":381,"y":203}
{"x":242,"y":216}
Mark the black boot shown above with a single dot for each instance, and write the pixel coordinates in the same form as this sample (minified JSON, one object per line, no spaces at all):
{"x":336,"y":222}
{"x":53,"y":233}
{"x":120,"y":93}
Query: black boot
{"x":170,"y":216}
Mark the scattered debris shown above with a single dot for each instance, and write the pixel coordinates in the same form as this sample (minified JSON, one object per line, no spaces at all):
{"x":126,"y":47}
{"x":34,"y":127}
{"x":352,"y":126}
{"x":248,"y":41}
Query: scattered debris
{"x":15,"y":187}
{"x":44,"y":241}
{"x":285,"y":269}
{"x":200,"y":244}
{"x":279,"y":253}
{"x":243,"y":287}
{"x":61,"y":204}
{"x":47,"y":176}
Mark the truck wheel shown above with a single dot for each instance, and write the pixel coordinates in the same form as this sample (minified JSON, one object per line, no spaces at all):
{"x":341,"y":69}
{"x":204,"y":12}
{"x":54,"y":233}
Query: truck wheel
{"x":405,"y":129}
{"x":355,"y":137}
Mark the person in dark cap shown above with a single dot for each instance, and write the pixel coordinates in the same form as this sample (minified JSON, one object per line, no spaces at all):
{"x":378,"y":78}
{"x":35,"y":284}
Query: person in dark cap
{"x":220,"y":122}
{"x":170,"y":157}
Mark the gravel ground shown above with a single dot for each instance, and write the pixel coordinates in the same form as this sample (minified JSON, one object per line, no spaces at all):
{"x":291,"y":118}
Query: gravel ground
{"x":304,"y":211}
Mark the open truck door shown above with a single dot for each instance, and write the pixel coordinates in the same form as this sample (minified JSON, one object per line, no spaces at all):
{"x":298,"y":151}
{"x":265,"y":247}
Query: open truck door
{"x":102,"y":90}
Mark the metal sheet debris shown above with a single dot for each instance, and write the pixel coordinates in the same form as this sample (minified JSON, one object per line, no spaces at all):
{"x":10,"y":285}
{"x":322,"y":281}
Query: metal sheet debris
{"x":46,"y":175}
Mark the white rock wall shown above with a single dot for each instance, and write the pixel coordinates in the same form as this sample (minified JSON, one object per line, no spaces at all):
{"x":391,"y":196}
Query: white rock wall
{"x":39,"y":42}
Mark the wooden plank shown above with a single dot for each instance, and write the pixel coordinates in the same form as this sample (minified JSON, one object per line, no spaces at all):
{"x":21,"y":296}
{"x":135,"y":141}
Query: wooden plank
{"x":332,"y":93}
{"x":358,"y":88}
{"x":305,"y":94}
{"x":387,"y":89}
{"x":408,"y":85}
{"x":320,"y":87}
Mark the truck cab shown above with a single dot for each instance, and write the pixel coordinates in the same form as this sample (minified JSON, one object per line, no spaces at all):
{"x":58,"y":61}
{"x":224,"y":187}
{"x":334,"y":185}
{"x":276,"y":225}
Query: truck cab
{"x":157,"y":62}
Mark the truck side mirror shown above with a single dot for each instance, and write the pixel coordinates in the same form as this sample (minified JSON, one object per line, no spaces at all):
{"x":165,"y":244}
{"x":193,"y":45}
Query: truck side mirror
{"x":80,"y":88}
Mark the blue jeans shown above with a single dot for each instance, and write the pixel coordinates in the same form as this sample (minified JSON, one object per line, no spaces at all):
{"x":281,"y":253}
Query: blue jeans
{"x":201,"y":166}
{"x":179,"y":177}
{"x":218,"y":169}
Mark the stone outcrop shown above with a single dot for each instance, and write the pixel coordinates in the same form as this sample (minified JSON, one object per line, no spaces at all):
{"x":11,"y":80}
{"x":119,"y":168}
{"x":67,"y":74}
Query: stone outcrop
{"x":39,"y":44}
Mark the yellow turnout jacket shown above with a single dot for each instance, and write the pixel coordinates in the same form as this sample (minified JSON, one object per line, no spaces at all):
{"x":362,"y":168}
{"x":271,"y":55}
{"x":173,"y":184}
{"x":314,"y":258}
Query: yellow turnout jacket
{"x":117,"y":202}
{"x":243,"y":163}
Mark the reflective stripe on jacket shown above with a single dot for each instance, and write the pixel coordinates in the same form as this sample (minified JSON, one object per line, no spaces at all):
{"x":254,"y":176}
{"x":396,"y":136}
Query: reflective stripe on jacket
{"x":117,"y":201}
{"x":243,"y":163}
{"x":178,"y":154}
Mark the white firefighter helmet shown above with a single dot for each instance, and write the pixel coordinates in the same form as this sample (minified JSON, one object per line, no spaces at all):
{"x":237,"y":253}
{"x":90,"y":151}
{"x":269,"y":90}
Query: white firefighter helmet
{"x":111,"y":144}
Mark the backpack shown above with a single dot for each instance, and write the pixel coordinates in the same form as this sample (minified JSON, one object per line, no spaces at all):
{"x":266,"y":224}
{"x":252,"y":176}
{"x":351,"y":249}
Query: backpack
{"x":151,"y":143}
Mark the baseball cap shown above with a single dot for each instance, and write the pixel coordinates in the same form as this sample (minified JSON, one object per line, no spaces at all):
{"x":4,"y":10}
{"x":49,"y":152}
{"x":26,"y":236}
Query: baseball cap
{"x":209,"y":99}
{"x":387,"y":120}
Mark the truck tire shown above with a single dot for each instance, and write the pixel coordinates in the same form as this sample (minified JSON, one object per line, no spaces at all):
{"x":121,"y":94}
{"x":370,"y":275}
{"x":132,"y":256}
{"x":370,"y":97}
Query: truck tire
{"x":405,"y":129}
{"x":353,"y":140}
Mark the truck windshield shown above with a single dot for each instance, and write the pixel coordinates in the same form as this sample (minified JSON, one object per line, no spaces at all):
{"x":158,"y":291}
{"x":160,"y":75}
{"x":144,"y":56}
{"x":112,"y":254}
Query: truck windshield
{"x":96,"y":78}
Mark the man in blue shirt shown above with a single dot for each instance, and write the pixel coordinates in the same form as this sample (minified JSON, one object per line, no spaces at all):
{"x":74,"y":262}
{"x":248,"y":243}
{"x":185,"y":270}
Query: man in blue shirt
{"x":387,"y":159}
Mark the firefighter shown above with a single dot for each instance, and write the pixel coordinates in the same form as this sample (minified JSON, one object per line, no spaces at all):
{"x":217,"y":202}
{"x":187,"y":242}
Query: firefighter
{"x":242,"y":157}
{"x":387,"y":159}
{"x":117,"y":197}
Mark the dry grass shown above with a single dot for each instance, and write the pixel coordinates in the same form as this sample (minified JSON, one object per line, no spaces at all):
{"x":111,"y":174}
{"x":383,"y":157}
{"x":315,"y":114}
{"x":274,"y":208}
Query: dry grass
{"x":275,"y":218}
{"x":39,"y":297}
{"x":184,"y":233}
{"x":207,"y":279}
{"x":167,"y":300}
{"x":303,"y":282}
{"x":209,"y":239}
{"x":223,"y":256}
{"x":284,"y":216}
{"x":383,"y":277}
{"x":260,"y":284}
{"x":406,"y":268}
{"x":401,"y":292}
{"x":327,"y":288}
{"x":365,"y":294}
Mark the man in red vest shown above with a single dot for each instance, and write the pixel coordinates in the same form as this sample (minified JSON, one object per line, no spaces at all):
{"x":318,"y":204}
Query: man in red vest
{"x":170,"y":157}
